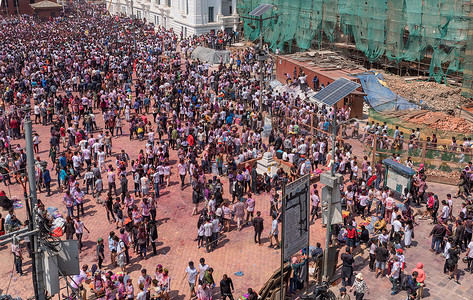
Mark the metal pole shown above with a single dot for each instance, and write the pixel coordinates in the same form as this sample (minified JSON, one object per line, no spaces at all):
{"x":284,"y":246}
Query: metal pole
{"x":283,"y":211}
{"x":261,"y":65}
{"x":334,"y":138}
{"x":307,"y":277}
{"x":29,"y":212}
{"x":329,"y":200}
{"x":36,"y":258}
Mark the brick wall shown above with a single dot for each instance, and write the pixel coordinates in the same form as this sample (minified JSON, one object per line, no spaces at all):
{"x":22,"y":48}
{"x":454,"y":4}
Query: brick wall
{"x":13,"y":7}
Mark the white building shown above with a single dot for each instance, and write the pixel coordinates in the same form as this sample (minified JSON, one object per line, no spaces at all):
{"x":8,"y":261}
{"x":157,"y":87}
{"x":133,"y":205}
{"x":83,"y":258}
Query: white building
{"x":186,"y":16}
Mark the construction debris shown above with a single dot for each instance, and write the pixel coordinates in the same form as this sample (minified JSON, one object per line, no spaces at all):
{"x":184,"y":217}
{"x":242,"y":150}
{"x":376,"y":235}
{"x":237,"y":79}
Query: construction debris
{"x":435,"y":120}
{"x":427,"y":93}
{"x":326,"y":59}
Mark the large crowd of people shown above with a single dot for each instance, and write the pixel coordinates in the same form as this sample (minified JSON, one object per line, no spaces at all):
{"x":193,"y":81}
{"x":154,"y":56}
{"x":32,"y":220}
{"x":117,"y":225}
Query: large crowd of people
{"x":81,"y":72}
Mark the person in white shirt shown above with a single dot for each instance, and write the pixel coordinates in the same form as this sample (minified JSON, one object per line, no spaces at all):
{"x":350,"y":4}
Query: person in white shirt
{"x":369,"y":170}
{"x":76,"y":282}
{"x":395,"y":274}
{"x":445,"y":211}
{"x":37,"y":113}
{"x":76,"y":161}
{"x":367,"y":130}
{"x":167,"y":173}
{"x":202,"y":268}
{"x":208,"y":233}
{"x":354,"y":170}
{"x":79,"y":228}
{"x":470,"y":257}
{"x":191,"y":277}
{"x":87,"y":156}
{"x":363,"y":199}
{"x":396,"y":224}
{"x":101,"y":158}
{"x":142,"y":294}
{"x":96,"y":148}
{"x":314,"y":197}
{"x":274,"y":232}
{"x":450,"y":205}
{"x":144,"y":279}
{"x":182,"y":169}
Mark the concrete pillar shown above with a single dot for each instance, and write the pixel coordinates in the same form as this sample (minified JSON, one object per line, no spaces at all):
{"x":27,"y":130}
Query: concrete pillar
{"x":219,"y":3}
{"x":235,"y":15}
{"x":220,"y":14}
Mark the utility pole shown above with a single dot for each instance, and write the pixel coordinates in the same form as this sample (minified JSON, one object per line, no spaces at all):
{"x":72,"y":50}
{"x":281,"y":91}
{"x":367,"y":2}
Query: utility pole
{"x":329,"y":191}
{"x":37,"y":255}
{"x":261,"y":56}
{"x":331,"y":194}
{"x":261,"y":65}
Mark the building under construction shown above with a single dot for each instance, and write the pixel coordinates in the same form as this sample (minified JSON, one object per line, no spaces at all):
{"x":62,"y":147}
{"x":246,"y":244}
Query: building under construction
{"x":406,"y":37}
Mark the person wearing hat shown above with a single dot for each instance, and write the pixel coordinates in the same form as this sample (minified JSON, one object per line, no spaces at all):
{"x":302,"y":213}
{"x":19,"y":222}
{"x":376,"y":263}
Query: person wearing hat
{"x":343,"y":294}
{"x":360,"y":287}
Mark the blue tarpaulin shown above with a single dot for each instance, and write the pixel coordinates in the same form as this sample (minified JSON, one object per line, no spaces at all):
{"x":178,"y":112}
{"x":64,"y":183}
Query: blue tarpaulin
{"x":379,"y":97}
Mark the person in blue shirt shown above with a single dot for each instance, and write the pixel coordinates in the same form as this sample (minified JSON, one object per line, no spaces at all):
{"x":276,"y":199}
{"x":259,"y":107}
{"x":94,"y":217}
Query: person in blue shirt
{"x":47,"y":181}
{"x":62,"y":178}
{"x":229,"y":119}
{"x":63,"y":161}
{"x":326,"y":124}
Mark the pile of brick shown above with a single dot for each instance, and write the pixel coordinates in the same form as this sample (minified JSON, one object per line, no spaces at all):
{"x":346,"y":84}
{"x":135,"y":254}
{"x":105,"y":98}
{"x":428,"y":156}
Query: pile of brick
{"x":426,"y":93}
{"x":439,"y":120}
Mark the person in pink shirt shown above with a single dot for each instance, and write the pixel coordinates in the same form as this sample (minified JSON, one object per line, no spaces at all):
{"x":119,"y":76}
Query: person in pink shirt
{"x":250,"y":207}
{"x":68,"y":201}
{"x":420,"y":278}
{"x":389,"y":206}
{"x":145,"y":209}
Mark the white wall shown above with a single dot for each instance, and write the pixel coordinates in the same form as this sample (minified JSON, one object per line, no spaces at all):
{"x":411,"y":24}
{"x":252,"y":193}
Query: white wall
{"x":195,"y":19}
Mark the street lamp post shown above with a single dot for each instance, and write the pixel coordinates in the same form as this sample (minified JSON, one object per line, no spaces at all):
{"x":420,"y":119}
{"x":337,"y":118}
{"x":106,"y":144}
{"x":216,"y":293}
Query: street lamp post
{"x":261,"y":55}
{"x":260,"y":46}
{"x":331,"y":184}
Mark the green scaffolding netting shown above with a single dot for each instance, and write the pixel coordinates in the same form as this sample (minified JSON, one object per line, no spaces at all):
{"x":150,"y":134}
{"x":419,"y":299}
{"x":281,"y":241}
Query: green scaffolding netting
{"x":398,"y":29}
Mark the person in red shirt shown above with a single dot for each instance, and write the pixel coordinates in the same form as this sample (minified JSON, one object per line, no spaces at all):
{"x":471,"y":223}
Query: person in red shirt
{"x":15,"y":126}
{"x":190,"y":140}
{"x":62,"y":132}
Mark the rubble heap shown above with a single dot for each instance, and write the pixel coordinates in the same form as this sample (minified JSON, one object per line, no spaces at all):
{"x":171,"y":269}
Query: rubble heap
{"x":434,"y":119}
{"x":427,"y":93}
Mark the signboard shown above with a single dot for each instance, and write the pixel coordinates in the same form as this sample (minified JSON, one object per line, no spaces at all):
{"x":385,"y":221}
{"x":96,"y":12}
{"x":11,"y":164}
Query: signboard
{"x":395,"y":181}
{"x":397,"y":176}
{"x":295,"y":216}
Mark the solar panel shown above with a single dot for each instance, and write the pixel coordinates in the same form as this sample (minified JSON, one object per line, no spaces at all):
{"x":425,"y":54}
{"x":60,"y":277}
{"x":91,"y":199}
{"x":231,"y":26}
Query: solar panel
{"x":260,"y":10}
{"x":336,"y":91}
